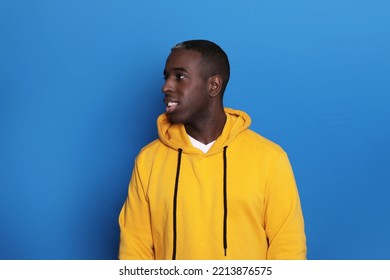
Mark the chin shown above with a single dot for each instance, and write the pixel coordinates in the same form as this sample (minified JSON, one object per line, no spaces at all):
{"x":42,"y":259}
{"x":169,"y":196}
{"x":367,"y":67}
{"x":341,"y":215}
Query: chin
{"x":174,"y":119}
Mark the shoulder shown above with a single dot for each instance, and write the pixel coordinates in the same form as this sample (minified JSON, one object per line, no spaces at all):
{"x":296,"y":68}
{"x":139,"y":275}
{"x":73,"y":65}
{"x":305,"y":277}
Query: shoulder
{"x":149,"y":150}
{"x":258,"y":141}
{"x":260,"y":150}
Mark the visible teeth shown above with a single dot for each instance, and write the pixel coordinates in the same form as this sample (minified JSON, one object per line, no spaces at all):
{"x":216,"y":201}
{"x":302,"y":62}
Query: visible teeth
{"x":171,"y":104}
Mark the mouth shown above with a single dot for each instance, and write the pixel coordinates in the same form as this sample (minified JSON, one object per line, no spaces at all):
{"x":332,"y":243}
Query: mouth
{"x":170,"y":106}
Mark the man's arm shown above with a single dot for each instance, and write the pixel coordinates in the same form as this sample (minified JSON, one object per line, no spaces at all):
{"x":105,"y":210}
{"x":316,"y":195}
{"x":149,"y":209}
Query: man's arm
{"x":284,"y":223}
{"x":134,"y":221}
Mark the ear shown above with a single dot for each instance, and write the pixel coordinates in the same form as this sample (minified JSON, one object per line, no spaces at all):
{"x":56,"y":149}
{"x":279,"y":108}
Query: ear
{"x":214,"y":85}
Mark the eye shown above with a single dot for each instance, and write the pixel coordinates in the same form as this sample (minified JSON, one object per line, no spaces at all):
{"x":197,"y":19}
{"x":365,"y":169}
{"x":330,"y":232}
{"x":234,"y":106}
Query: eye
{"x":177,"y":76}
{"x":180,"y":76}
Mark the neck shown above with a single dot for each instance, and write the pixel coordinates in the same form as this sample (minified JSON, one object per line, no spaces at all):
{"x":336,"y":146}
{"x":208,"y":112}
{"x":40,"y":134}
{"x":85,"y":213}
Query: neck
{"x":208,"y":130}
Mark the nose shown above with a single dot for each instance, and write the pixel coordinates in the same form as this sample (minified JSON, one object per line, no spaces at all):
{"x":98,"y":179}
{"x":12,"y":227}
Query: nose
{"x":167,"y":86}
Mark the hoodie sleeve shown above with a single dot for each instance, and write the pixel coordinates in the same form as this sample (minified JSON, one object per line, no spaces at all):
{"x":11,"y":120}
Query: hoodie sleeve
{"x":134,"y":222}
{"x":284,"y":223}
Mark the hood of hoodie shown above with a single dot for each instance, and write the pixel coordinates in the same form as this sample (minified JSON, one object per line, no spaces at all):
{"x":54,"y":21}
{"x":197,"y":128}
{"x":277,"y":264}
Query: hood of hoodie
{"x":175,"y":135}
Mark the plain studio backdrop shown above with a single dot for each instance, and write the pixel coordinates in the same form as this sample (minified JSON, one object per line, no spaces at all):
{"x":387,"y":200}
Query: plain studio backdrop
{"x":80,"y":91}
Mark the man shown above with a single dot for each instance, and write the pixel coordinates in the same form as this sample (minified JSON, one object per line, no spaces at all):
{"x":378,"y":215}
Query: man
{"x":209,"y":187}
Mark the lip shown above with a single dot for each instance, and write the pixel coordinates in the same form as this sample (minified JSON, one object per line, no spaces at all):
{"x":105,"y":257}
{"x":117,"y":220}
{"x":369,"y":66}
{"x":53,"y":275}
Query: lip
{"x":171,"y":105}
{"x":168,"y":100}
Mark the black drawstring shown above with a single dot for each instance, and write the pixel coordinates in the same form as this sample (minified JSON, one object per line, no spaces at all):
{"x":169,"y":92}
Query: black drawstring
{"x":175,"y":204}
{"x":225,"y":210}
{"x":225,"y":200}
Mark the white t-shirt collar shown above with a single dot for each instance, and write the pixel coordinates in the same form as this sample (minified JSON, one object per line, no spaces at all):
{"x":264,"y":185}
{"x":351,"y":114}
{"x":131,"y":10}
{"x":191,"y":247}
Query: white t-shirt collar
{"x":199,"y":145}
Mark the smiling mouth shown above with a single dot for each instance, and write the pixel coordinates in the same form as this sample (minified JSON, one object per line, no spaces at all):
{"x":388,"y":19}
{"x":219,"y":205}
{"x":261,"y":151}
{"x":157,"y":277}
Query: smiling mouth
{"x":170,"y":107}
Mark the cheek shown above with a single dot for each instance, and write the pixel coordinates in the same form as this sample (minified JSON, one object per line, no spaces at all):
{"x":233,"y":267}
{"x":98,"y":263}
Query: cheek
{"x":195,"y":101}
{"x":195,"y":95}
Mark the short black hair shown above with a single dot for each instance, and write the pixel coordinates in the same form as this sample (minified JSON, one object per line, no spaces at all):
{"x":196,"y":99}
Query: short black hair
{"x":215,"y":60}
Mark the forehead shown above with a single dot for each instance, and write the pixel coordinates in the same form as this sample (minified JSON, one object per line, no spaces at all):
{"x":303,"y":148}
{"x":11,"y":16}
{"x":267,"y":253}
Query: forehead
{"x":183,"y":59}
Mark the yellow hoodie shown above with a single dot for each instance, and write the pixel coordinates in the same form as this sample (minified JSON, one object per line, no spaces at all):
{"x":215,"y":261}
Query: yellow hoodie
{"x":237,"y":201}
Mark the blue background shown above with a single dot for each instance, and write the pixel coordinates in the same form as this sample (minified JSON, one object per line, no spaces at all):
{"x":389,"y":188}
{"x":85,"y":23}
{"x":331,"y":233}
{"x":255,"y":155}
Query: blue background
{"x":80,"y":90}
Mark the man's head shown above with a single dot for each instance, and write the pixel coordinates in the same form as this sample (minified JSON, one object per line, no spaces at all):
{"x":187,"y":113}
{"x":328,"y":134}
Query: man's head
{"x":214,"y":59}
{"x":196,"y":73}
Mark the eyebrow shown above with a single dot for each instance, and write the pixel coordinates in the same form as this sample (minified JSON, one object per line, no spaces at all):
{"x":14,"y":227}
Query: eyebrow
{"x":180,"y":69}
{"x":176,"y":69}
